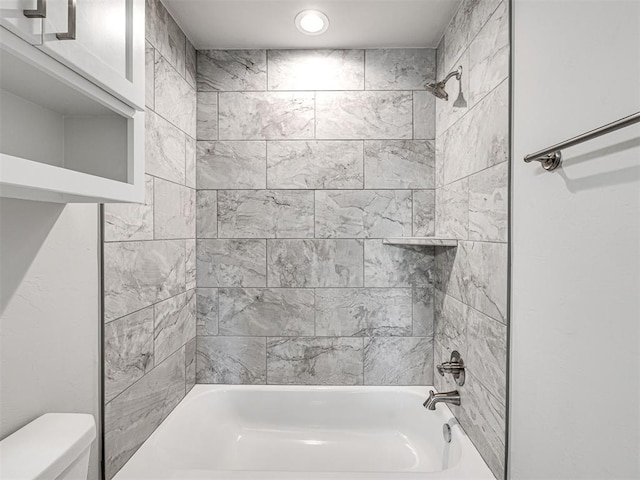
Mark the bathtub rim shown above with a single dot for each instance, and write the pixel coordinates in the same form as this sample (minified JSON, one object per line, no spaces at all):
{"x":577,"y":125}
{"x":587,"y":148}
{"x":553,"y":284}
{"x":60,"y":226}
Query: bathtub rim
{"x":470,"y":466}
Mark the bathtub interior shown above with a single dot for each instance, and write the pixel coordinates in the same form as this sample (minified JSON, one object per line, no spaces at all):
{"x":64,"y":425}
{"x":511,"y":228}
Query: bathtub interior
{"x":310,"y":429}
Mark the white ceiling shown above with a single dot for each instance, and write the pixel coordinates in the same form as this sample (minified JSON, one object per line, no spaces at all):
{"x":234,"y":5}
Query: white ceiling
{"x":229,"y":24}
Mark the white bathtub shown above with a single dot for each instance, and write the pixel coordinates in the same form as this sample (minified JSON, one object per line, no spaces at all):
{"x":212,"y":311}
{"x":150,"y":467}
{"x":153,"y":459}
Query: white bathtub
{"x":278,"y":432}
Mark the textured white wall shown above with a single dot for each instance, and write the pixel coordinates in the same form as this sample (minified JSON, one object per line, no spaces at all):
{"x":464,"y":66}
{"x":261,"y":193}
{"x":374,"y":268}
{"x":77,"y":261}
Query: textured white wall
{"x":49,"y":312}
{"x":575,"y":360}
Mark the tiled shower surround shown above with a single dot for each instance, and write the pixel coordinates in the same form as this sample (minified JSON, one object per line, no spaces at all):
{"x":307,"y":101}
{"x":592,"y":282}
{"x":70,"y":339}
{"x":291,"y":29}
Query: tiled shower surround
{"x":472,"y":171}
{"x":149,"y":256}
{"x":306,"y":159}
{"x":303,"y":161}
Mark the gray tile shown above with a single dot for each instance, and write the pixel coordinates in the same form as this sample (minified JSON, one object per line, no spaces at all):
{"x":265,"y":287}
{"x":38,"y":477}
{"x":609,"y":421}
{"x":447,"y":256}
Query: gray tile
{"x":452,"y":210}
{"x":266,"y":115}
{"x":489,"y":204}
{"x":175,"y":324}
{"x":399,"y":164}
{"x":149,"y":75}
{"x":190,"y":162}
{"x":440,"y":66}
{"x":487,"y":352}
{"x":424,"y":213}
{"x":207,"y":214}
{"x":128,"y":351}
{"x":396,"y":266}
{"x":483,"y":418}
{"x":456,"y":37}
{"x":138,"y":274}
{"x":226,"y":165}
{"x":175,"y":99}
{"x":231,"y":360}
{"x":478,"y":277}
{"x":190,"y":263}
{"x":424,"y":115}
{"x":266,"y":311}
{"x":489,"y":55}
{"x":360,"y":312}
{"x":206,"y":311}
{"x":314,"y":361}
{"x":174,"y":210}
{"x":314,"y":164}
{"x":316,"y":69}
{"x":265,"y":214}
{"x":164,"y":34}
{"x":132,"y":416}
{"x":130,"y":221}
{"x":465,"y":25}
{"x":443,"y":267}
{"x":231,"y":263}
{"x":190,"y":64}
{"x":164,"y":149}
{"x":439,"y":163}
{"x":190,"y":364}
{"x":363,"y":213}
{"x":450,"y":325}
{"x":398,"y":361}
{"x":207,"y":116}
{"x":364,"y":115}
{"x":400,"y":68}
{"x":314,"y":263}
{"x":480,"y":139}
{"x":423,"y":311}
{"x":232,"y":70}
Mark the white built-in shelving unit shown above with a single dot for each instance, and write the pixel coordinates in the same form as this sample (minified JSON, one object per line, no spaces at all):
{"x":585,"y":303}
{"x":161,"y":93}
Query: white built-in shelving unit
{"x":71,"y":110}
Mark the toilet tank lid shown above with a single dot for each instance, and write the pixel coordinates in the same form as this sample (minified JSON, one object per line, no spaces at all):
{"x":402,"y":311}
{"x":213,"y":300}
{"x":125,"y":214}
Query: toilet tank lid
{"x":44,"y":448}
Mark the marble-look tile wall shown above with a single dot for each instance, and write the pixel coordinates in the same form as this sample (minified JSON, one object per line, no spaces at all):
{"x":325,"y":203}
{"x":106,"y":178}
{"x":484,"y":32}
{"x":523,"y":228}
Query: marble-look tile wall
{"x":306,"y":159}
{"x":149,"y":256}
{"x":472,"y":171}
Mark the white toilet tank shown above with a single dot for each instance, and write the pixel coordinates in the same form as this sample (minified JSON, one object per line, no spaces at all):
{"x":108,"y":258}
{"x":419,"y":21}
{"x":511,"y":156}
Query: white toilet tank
{"x":55,"y":446}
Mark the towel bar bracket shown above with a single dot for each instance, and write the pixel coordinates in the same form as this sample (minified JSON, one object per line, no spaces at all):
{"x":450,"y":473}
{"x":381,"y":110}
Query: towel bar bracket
{"x":549,"y":162}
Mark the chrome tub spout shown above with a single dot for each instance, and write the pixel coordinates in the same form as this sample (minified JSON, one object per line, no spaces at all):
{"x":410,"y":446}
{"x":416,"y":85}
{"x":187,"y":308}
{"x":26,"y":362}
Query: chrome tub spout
{"x":452,"y":398}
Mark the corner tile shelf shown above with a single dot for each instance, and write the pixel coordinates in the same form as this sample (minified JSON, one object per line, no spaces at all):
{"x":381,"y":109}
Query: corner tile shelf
{"x":421,"y":241}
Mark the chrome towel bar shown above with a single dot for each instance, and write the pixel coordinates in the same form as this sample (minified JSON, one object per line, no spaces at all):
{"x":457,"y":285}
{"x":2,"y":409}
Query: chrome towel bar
{"x":551,"y":157}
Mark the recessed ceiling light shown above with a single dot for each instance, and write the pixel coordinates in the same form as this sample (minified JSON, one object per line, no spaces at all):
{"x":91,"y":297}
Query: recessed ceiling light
{"x":312,"y":22}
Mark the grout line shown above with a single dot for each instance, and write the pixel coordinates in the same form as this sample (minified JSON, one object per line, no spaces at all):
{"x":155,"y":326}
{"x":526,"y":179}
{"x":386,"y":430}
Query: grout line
{"x":471,"y":174}
{"x":473,"y":107}
{"x":364,"y":70}
{"x":308,"y":90}
{"x":413,"y":115}
{"x":218,"y":115}
{"x":155,"y":365}
{"x":337,"y":190}
{"x":267,"y":61}
{"x":153,"y":210}
{"x":170,"y":181}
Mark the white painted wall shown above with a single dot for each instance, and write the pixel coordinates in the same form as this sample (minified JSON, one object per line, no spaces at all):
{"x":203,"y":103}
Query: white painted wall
{"x":575,"y":340}
{"x":49,"y":312}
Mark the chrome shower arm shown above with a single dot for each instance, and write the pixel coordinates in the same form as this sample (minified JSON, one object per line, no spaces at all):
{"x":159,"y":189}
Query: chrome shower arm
{"x":456,"y":73}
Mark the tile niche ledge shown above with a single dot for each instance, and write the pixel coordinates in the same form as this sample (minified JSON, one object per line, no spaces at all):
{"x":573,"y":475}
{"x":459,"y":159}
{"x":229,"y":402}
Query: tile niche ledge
{"x":421,"y":241}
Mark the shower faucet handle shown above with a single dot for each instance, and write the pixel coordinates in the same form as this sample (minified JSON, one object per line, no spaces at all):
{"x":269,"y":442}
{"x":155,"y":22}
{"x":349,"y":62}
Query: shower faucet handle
{"x":455,"y":367}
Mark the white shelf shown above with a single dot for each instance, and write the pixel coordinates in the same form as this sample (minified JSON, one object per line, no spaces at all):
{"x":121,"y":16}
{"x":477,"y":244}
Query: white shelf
{"x":29,"y":180}
{"x":62,"y":138}
{"x":421,"y":241}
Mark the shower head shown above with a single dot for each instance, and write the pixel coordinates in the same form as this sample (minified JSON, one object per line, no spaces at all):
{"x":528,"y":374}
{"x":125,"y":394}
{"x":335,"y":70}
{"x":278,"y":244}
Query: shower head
{"x":438,"y":90}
